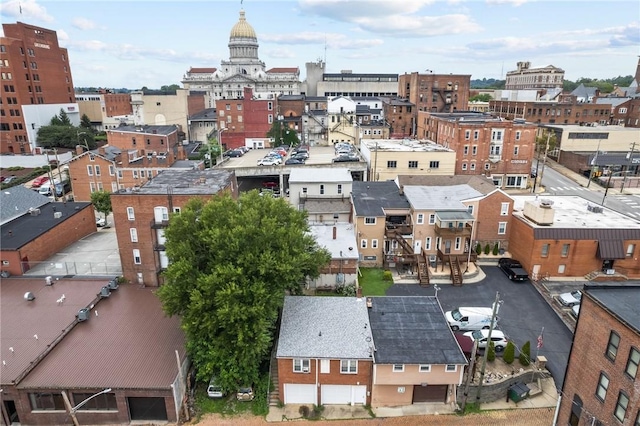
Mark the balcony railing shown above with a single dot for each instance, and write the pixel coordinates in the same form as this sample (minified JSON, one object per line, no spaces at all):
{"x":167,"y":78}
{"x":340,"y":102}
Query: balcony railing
{"x":159,"y":224}
{"x":459,"y":231}
{"x":392,"y":228}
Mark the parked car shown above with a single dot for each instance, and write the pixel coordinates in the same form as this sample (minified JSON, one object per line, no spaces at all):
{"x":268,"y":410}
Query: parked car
{"x":346,"y":159}
{"x":270,"y":184}
{"x":100,"y":222}
{"x":8,"y":179}
{"x":281,"y":151}
{"x":570,"y":299}
{"x":513,"y":269}
{"x":294,"y":160}
{"x":469,"y":318}
{"x":214,"y":390}
{"x":304,"y":155}
{"x":245,"y":393}
{"x":269,"y":161}
{"x":235,"y":153}
{"x":497,"y":337}
{"x":39,"y":181}
{"x":575,"y":311}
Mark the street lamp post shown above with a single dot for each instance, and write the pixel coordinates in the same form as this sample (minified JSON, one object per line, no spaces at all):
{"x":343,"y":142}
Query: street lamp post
{"x":73,"y":410}
{"x":220,"y":143}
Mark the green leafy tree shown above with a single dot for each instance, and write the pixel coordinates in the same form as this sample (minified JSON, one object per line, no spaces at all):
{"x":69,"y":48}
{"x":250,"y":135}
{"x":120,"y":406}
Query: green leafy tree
{"x":509,"y":353}
{"x":483,"y":97}
{"x":231,"y":263}
{"x":478,"y":249}
{"x":525,"y":354}
{"x":487,"y":249}
{"x":282,"y":134}
{"x":491,"y":355}
{"x":85,"y":123}
{"x":64,"y":118}
{"x":496,"y":249}
{"x":101,"y":201}
{"x":61,"y":136}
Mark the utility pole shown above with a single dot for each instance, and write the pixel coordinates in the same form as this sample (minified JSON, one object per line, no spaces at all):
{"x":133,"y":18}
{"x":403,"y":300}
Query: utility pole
{"x":470,"y":375}
{"x":594,"y":163}
{"x":544,"y":159}
{"x":629,"y":163}
{"x":486,"y":350}
{"x":606,"y":190}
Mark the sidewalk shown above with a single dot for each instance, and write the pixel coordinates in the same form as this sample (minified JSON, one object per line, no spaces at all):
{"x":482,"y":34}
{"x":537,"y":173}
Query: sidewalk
{"x":584,"y":181}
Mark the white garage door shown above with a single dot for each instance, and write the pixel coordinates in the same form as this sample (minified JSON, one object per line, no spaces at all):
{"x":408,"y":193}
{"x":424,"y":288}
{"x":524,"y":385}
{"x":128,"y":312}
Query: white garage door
{"x":300,"y":394}
{"x":344,"y":394}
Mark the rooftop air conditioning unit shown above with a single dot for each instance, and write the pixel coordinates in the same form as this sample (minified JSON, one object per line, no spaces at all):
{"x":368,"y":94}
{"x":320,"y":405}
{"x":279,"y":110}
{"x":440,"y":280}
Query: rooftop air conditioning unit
{"x":83,"y":315}
{"x":305,"y":369}
{"x":48,"y":280}
{"x":105,"y":292}
{"x":57,"y":215}
{"x":113,"y":284}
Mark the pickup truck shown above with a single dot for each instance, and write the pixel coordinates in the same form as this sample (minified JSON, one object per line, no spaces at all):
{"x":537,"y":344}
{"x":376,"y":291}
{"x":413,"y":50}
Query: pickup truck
{"x":513,"y":269}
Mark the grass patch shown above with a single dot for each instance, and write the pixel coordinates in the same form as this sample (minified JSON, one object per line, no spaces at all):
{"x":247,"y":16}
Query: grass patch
{"x":229,"y":405}
{"x":373,"y":282}
{"x":471,"y":408}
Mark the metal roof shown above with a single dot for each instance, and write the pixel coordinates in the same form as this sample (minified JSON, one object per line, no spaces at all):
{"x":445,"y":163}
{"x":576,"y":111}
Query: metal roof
{"x":324,"y":327}
{"x":412,"y":330}
{"x":129,"y":344}
{"x":611,"y":249}
{"x":372,"y":198}
{"x":454,"y":215}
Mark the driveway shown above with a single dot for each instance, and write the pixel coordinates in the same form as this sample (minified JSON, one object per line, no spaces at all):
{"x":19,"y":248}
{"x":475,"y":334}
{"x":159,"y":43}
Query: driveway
{"x":522,"y":314}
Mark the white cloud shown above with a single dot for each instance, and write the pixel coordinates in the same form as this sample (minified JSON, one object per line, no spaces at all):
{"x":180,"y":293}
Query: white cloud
{"x":280,"y":53}
{"x":25,"y":10}
{"x":511,"y":2}
{"x":84,"y":24}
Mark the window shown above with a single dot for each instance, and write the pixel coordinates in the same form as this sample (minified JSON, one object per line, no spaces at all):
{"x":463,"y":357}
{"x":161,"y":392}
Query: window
{"x":398,"y":368}
{"x":632,"y":363}
{"x":374,"y":244}
{"x":363,"y":243}
{"x":518,"y":135}
{"x":135,"y":174}
{"x":612,"y":346}
{"x":545,"y":250}
{"x":131,"y":214}
{"x":451,"y":368}
{"x":133,"y":232}
{"x":348,"y":366}
{"x":136,"y":257}
{"x":621,"y":406}
{"x":90,"y":170}
{"x":97,"y":170}
{"x":637,"y":422}
{"x":112,"y":170}
{"x":427,"y":243}
{"x":565,"y":250}
{"x":424,"y":368}
{"x":464,"y":166}
{"x":420,"y":219}
{"x":465,"y":150}
{"x":46,"y":401}
{"x":321,"y":189}
{"x":603,"y":385}
{"x":369,"y":220}
{"x":413,"y":164}
{"x":434,"y":164}
{"x":487,"y":166}
{"x":458,"y":242}
{"x":176,"y":209}
{"x":432,"y":219}
{"x":102,"y":402}
{"x":467,"y":134}
{"x":504,"y":209}
{"x":392,"y":164}
{"x":473,"y":166}
{"x":470,"y":209}
{"x":339,"y":189}
{"x":502,"y":228}
{"x":301,"y":365}
{"x":516,"y":150}
{"x":474,"y":150}
{"x":631,"y":248}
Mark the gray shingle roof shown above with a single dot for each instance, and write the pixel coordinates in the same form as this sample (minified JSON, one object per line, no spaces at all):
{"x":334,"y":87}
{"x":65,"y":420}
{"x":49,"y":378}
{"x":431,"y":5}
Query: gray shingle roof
{"x":324,"y":327}
{"x":371,"y":198}
{"x":412,"y":330}
{"x":17,"y":200}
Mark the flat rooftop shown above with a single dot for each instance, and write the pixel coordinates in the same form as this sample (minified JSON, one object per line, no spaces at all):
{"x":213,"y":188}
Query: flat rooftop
{"x":406,"y":145}
{"x":343,"y":246}
{"x":572,"y":212}
{"x":318,"y":155}
{"x":591,"y":129}
{"x":185,"y":182}
{"x":146,"y":129}
{"x":621,"y":301}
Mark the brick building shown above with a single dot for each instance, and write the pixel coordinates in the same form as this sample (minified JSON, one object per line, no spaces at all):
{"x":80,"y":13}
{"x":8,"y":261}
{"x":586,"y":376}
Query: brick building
{"x":106,"y":109}
{"x":499,"y":149}
{"x":601,"y":380}
{"x":400,"y":115}
{"x":142,"y":214}
{"x":565,"y":110}
{"x":435,"y":92}
{"x":36,"y":84}
{"x":570,"y":237}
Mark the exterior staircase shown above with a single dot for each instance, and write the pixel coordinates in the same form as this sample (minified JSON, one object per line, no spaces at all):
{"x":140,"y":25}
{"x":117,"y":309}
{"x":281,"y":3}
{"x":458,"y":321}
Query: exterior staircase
{"x":456,"y":272}
{"x":274,"y":389}
{"x":423,"y":270}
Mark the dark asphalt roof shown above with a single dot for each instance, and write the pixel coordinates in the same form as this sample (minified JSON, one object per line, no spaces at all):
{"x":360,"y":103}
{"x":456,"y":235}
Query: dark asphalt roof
{"x":412,"y":330}
{"x":207,"y":114}
{"x":17,"y":200}
{"x":185,"y":182}
{"x":622,"y":302}
{"x":28,"y":227}
{"x":371,"y":198}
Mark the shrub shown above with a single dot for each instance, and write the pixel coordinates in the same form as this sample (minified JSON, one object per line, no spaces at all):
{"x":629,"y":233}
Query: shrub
{"x":478,"y":248}
{"x":346,"y":290}
{"x":509,"y":353}
{"x":304,"y":411}
{"x":487,"y":249}
{"x":491,"y":355}
{"x":387,"y":276}
{"x":495,"y":249}
{"x":525,"y":354}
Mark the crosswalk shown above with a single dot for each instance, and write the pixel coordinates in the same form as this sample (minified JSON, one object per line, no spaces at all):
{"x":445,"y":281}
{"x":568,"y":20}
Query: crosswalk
{"x":566,"y":188}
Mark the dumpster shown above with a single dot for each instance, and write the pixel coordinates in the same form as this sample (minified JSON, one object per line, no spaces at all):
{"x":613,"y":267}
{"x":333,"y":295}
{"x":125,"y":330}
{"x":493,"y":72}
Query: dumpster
{"x":517,"y":392}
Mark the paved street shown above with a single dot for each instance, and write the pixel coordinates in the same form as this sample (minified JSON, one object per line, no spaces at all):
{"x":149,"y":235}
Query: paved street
{"x":522,"y":315}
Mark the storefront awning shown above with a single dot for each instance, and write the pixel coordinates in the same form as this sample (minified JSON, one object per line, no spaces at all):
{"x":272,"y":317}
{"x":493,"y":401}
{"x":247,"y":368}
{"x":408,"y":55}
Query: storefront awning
{"x":610,"y":249}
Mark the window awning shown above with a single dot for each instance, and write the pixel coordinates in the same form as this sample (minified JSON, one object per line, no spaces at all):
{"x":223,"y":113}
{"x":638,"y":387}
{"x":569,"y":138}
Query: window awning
{"x":610,"y":249}
{"x":454,"y":215}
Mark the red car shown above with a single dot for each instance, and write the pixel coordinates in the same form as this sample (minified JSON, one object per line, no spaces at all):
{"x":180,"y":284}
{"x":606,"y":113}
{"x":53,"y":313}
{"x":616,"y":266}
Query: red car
{"x":38,"y":182}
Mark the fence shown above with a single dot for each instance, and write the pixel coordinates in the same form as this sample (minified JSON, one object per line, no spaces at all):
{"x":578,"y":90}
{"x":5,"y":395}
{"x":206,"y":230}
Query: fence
{"x":72,"y":268}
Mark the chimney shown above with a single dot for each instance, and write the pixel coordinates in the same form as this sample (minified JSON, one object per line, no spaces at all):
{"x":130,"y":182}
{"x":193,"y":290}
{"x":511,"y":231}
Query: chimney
{"x":102,"y":150}
{"x":401,"y":192}
{"x":335,"y":232}
{"x":79,"y":149}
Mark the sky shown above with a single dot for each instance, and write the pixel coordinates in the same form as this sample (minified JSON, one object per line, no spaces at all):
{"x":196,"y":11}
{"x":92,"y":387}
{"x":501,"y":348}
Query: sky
{"x":152,"y":43}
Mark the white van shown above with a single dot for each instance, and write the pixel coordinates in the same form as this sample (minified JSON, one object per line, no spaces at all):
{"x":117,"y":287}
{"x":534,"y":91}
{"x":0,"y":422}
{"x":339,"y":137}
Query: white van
{"x":465,"y":318}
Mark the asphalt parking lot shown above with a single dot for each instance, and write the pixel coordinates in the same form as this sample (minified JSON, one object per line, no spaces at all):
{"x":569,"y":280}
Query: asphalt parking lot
{"x":522,"y":314}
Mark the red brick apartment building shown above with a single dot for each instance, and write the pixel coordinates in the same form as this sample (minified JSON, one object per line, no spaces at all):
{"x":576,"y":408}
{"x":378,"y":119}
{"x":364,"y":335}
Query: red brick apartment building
{"x":435,"y":92}
{"x":142,"y":214}
{"x":400,"y":116}
{"x":245,"y":118}
{"x":35,"y":70}
{"x":485,"y":145}
{"x":601,"y":380}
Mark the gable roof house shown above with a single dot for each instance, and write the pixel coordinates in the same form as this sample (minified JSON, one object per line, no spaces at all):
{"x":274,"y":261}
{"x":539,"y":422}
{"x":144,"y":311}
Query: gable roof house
{"x":417,"y":358}
{"x":325,"y":351}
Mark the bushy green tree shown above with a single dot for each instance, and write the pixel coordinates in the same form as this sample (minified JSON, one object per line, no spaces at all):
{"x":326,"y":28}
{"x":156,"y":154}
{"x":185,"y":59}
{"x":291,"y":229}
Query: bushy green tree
{"x":101,"y":201}
{"x":525,"y":354}
{"x":478,"y":249}
{"x":85,"y":123}
{"x":509,"y":353}
{"x":491,"y":354}
{"x":231,"y":264}
{"x":496,"y":249}
{"x":282,"y":134}
{"x":483,"y":97}
{"x":487,"y":249}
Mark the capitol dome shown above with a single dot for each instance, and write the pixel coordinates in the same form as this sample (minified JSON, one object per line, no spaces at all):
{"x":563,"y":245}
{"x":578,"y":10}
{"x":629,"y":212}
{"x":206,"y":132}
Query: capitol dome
{"x":242,"y":29}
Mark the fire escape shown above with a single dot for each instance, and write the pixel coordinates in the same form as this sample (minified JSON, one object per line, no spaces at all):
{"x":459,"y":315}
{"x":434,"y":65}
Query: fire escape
{"x":447,"y":95}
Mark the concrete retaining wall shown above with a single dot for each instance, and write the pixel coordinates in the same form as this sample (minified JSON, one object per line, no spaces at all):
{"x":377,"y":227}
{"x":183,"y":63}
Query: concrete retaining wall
{"x":498,"y":390}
